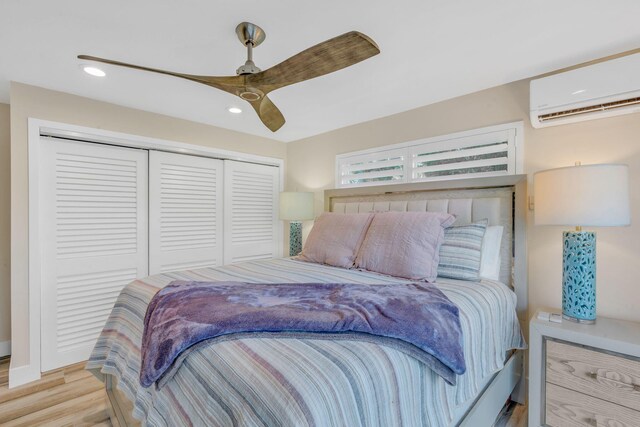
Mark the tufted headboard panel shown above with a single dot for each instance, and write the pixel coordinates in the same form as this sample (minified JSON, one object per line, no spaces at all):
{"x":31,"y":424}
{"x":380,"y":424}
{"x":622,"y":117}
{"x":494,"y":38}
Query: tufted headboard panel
{"x":466,"y":210}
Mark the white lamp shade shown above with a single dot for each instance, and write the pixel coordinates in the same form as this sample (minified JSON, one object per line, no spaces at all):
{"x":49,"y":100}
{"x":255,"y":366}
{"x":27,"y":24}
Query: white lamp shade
{"x":590,"y":195}
{"x":296,"y":206}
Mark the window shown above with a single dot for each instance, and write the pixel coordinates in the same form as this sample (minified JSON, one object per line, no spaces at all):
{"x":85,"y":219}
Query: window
{"x":491,"y":151}
{"x":385,"y":166}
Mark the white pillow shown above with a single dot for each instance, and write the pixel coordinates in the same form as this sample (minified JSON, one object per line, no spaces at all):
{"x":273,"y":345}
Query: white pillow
{"x":490,"y":258}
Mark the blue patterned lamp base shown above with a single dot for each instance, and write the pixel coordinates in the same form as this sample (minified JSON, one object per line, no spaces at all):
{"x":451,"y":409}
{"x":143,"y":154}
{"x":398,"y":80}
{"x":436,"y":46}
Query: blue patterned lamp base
{"x":295,"y":238}
{"x":579,"y":276}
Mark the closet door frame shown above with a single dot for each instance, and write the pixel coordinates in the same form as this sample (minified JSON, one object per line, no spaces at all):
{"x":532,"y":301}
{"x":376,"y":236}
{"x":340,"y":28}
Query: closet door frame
{"x":26,"y":269}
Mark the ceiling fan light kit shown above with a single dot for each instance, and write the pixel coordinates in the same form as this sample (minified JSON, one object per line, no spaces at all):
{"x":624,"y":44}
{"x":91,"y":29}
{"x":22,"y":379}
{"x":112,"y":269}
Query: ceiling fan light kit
{"x":253,"y":85}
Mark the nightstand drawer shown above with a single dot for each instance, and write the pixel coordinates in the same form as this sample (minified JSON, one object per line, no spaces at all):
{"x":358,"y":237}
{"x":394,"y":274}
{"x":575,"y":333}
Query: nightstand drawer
{"x":605,"y":376}
{"x":568,"y":408}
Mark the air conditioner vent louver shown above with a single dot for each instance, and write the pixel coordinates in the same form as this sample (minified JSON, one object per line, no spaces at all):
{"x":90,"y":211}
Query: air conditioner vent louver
{"x":591,"y":109}
{"x":606,"y":89}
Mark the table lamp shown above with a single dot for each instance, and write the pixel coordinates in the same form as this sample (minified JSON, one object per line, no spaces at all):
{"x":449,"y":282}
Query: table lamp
{"x":590,"y":195}
{"x":296,"y":207}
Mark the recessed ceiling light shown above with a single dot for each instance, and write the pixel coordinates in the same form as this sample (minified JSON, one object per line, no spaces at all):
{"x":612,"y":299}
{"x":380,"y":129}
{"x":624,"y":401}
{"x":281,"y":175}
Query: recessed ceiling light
{"x":234,"y":110}
{"x":94,"y":71}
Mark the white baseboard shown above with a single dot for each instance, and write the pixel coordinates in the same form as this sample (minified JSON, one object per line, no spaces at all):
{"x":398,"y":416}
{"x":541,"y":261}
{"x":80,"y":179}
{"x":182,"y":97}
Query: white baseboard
{"x":5,"y":348}
{"x":21,"y":375}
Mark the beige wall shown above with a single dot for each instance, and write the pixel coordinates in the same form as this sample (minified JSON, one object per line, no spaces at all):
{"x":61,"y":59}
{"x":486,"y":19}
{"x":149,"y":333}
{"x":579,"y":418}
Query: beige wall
{"x":29,"y":101}
{"x":5,"y":225}
{"x":311,"y":164}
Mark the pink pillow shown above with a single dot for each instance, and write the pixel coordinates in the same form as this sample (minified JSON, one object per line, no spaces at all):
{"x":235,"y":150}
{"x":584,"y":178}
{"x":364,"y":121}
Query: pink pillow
{"x":335,"y":238}
{"x":404,"y":244}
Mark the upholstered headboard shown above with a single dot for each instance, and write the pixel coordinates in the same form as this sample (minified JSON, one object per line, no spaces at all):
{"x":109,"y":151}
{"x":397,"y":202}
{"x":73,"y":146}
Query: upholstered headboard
{"x":497,"y":199}
{"x":466,"y":209}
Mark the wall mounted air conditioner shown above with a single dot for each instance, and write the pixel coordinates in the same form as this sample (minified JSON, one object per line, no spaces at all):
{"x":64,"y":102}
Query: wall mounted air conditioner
{"x":605,"y":89}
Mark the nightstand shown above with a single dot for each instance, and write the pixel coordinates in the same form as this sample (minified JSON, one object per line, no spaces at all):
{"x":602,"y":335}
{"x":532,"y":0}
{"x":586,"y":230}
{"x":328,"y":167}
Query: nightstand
{"x":584,"y":375}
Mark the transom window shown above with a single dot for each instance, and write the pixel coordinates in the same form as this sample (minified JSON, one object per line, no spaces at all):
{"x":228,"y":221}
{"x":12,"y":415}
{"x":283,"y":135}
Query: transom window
{"x":490,"y":151}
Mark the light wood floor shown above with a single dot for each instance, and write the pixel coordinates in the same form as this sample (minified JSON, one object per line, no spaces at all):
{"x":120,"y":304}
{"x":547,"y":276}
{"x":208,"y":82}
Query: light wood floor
{"x":65,"y":397}
{"x":73,"y":397}
{"x":514,"y":416}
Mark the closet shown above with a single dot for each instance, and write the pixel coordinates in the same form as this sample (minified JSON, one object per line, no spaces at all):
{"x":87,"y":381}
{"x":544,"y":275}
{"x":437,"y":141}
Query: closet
{"x":110,"y":214}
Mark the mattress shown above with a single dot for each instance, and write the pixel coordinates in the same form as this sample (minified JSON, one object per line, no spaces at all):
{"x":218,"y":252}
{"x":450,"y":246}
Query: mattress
{"x":305,"y":382}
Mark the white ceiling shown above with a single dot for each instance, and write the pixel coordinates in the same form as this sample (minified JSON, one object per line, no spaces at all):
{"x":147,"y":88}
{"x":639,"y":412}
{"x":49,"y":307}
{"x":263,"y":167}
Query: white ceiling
{"x":431,"y":50}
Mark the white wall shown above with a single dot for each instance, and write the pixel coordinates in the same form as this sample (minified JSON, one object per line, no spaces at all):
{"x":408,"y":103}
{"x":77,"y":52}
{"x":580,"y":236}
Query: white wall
{"x":311,"y":165}
{"x":29,"y":101}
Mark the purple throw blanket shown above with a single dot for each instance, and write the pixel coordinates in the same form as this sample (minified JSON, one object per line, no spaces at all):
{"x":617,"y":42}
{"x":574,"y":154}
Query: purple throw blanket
{"x":415,"y":318}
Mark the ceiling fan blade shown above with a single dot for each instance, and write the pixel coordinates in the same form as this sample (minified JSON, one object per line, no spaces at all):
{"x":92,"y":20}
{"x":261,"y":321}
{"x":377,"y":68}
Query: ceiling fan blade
{"x":268,"y":113}
{"x":324,"y":58}
{"x":228,"y":84}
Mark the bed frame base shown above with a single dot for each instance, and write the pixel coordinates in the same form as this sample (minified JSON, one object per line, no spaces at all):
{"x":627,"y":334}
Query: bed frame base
{"x":483,"y":412}
{"x":504,"y":385}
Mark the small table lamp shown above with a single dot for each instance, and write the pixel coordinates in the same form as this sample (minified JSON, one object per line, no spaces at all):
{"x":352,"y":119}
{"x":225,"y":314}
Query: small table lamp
{"x":295,"y":207}
{"x":591,"y":195}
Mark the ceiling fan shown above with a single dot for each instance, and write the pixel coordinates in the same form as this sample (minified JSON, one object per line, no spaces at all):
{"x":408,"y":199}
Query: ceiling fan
{"x":253,"y":85}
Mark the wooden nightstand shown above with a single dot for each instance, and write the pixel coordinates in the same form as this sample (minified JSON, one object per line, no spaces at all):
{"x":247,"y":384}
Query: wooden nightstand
{"x":584,"y":375}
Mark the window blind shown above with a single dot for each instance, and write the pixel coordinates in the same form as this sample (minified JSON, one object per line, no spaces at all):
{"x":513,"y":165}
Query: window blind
{"x":371,"y":169}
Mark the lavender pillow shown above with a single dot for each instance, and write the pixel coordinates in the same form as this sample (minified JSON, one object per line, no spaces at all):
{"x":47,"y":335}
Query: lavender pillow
{"x":404,"y":244}
{"x":335,"y":238}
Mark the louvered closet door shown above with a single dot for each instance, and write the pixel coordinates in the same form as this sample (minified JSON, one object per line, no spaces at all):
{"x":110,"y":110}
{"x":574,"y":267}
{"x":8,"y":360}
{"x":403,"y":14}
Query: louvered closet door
{"x":93,"y":223}
{"x":250,"y":211}
{"x":185,"y":212}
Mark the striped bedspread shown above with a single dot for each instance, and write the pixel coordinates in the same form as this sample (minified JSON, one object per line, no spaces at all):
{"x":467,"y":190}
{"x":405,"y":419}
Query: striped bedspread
{"x":304,"y":382}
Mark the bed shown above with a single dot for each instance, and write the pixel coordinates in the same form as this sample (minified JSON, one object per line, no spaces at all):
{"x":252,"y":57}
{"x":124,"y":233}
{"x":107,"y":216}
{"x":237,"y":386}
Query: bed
{"x":314,"y":381}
